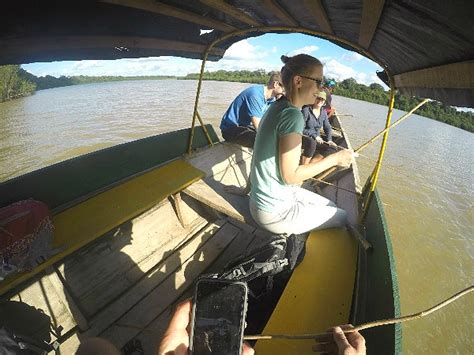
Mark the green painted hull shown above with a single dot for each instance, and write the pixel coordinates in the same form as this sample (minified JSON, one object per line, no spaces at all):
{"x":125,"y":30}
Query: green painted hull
{"x":378,"y":294}
{"x":61,"y":184}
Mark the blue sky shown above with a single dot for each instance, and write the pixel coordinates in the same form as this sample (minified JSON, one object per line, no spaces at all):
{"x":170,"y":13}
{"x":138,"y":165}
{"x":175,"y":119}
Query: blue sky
{"x":261,"y":52}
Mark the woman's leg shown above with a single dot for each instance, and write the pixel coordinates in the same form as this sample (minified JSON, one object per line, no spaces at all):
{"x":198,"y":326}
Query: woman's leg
{"x":308,"y":211}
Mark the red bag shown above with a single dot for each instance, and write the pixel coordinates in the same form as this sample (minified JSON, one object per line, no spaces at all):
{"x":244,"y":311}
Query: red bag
{"x":26,"y":235}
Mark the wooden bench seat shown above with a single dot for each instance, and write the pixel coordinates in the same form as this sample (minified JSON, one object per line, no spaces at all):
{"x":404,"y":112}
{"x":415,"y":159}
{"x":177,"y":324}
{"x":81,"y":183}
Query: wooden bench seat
{"x":88,"y":220}
{"x":318,"y":294}
{"x":225,"y":164}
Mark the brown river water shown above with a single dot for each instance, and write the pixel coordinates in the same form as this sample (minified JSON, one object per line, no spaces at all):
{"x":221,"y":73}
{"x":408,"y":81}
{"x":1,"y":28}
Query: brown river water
{"x":426,"y":182}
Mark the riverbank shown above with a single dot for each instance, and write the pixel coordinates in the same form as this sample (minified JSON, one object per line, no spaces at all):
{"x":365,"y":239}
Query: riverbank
{"x":16,"y":82}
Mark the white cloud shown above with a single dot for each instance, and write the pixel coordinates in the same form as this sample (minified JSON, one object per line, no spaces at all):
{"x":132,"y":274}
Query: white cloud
{"x":303,"y":50}
{"x":274,"y":49}
{"x":243,"y":50}
{"x":339,"y":71}
{"x":352,"y":57}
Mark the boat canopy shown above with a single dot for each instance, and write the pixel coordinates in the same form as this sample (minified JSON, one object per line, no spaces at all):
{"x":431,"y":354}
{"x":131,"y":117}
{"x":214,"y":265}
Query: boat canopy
{"x":425,"y":47}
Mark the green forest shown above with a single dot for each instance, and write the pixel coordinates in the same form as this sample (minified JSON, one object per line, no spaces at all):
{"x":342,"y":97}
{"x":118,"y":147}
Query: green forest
{"x":374,"y":93}
{"x":16,"y":82}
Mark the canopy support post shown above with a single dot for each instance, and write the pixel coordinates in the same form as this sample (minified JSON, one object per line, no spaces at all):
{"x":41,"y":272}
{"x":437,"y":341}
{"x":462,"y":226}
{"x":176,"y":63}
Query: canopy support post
{"x":196,"y":102}
{"x":375,"y":174}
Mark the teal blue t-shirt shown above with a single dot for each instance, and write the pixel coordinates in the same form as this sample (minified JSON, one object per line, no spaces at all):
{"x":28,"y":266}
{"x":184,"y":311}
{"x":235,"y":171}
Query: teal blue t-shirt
{"x":268,"y":190}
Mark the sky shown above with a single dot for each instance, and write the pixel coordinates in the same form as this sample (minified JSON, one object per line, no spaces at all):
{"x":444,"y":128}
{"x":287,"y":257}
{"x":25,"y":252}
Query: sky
{"x":261,"y":52}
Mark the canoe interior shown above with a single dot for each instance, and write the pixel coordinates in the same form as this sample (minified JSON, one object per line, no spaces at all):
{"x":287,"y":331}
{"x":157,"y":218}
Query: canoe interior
{"x":125,"y":284}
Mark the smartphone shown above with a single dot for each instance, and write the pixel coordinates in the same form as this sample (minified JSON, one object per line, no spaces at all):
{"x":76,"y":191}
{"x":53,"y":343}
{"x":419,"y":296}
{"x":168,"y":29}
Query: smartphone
{"x":218,"y":317}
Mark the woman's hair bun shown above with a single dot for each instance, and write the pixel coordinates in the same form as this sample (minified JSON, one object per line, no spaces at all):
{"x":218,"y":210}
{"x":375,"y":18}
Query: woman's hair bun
{"x":284,"y":59}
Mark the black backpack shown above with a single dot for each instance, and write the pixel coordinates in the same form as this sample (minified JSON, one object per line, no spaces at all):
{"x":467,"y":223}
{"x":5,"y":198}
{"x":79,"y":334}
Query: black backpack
{"x":266,"y":270}
{"x":24,"y":330}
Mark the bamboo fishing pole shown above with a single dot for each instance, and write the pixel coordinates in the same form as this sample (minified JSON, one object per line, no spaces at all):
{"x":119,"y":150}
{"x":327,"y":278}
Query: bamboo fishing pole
{"x":378,"y":135}
{"x":408,"y":114}
{"x":324,"y":336}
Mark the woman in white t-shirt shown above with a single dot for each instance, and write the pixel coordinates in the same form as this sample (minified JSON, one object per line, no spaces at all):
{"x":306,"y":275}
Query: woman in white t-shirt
{"x":277,"y":203}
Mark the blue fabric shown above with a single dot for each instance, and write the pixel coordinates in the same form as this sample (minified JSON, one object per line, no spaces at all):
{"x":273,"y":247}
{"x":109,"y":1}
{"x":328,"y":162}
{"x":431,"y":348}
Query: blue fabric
{"x":313,"y":124}
{"x":249,"y":103}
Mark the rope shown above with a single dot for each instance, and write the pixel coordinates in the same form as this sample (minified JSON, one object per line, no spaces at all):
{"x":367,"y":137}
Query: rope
{"x":324,"y":336}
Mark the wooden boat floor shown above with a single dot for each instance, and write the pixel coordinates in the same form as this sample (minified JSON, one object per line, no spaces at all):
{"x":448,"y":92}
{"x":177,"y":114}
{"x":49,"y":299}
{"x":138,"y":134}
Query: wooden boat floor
{"x":318,"y":294}
{"x":90,"y":219}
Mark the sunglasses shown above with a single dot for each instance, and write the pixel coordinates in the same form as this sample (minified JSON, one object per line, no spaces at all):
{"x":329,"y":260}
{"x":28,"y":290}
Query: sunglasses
{"x":319,"y":82}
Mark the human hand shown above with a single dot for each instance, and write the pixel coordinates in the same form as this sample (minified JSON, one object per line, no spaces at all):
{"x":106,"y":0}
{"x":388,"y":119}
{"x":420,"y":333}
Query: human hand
{"x":176,"y":338}
{"x":345,"y":157}
{"x":342,"y":344}
{"x":319,"y":140}
{"x":332,"y":144}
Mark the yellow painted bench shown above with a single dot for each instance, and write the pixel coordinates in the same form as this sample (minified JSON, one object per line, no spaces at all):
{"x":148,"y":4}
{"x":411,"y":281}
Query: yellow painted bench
{"x":90,"y":219}
{"x":318,"y":294}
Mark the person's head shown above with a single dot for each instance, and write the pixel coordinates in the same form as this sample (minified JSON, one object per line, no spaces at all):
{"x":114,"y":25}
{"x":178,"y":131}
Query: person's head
{"x":330,"y":84}
{"x":320,"y":99}
{"x":275,"y":84}
{"x":302,"y":77}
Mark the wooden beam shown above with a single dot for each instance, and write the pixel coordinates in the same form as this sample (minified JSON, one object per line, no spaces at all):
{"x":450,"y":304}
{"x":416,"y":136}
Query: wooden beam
{"x":320,"y":15}
{"x":371,"y":12}
{"x":453,"y":76}
{"x":167,"y":10}
{"x":120,"y":43}
{"x":279,"y":12}
{"x":231,"y":11}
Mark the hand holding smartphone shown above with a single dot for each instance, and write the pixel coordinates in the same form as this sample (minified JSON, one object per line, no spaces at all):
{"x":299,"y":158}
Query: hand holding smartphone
{"x":218,"y":317}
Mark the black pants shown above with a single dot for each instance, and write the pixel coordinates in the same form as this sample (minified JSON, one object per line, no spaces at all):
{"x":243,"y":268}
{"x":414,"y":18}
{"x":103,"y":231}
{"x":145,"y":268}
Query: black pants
{"x":312,"y":148}
{"x":244,"y":136}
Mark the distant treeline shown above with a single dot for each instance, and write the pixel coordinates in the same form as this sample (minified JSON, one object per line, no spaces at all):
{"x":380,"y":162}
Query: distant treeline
{"x":13,"y":83}
{"x":373,"y":93}
{"x":434,"y":109}
{"x":16,"y":82}
{"x":243,"y":76}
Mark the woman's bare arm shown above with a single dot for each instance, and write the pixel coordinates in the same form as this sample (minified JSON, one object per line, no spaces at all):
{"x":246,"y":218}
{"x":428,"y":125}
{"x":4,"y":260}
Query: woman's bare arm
{"x":289,"y":156}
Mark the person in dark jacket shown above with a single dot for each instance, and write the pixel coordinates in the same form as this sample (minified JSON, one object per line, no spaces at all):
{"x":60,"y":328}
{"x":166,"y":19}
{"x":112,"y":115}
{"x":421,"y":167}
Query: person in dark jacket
{"x":316,"y":117}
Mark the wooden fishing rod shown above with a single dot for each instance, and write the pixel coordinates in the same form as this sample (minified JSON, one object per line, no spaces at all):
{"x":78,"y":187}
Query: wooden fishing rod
{"x":325,"y":337}
{"x":378,"y":135}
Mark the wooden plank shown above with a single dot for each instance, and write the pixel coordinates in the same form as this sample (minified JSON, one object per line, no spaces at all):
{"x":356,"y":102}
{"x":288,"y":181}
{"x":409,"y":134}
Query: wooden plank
{"x":231,"y":11}
{"x":171,"y":264}
{"x":212,"y":194}
{"x":142,"y":314}
{"x":23,"y":46}
{"x":167,"y":10}
{"x":221,"y":157}
{"x":91,"y":219}
{"x":99,"y":273}
{"x":454,"y":76}
{"x":318,"y":294}
{"x":42,"y":294}
{"x":371,"y":13}
{"x":320,"y":15}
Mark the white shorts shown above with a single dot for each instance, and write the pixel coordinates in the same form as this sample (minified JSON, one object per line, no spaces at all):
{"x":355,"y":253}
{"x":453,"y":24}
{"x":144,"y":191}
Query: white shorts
{"x":305,"y":212}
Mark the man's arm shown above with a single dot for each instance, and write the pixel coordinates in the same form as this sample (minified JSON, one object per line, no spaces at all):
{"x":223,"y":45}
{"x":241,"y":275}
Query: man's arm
{"x":255,"y":121}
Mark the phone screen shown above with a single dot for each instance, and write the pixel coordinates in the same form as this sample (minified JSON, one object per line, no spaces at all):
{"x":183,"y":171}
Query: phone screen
{"x":219,"y":314}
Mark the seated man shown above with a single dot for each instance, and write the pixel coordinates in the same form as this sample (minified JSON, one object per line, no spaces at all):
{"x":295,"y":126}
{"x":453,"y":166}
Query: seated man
{"x":315,"y":117}
{"x":241,"y":119}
